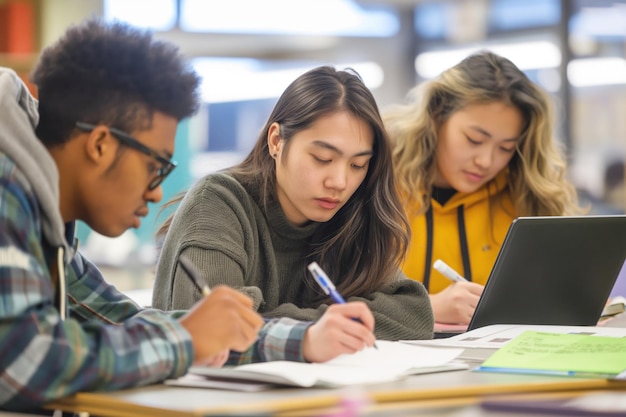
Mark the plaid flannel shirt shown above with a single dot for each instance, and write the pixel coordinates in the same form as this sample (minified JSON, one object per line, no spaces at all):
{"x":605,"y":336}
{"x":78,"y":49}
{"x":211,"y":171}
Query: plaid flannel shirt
{"x":107,"y":342}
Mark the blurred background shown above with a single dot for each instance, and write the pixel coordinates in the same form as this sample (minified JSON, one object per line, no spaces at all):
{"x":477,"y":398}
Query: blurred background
{"x":248,"y":51}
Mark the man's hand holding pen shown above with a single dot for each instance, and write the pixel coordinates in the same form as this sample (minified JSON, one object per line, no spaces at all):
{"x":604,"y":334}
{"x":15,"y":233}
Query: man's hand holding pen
{"x":222,"y":320}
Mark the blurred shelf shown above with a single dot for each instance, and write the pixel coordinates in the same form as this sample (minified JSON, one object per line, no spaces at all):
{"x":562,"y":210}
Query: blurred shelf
{"x":23,"y":63}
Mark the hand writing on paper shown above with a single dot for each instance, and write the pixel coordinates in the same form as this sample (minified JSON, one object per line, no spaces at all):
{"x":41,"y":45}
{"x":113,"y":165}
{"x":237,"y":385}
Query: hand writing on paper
{"x":337,"y":332}
{"x":217,"y":360}
{"x":222,"y":321}
{"x":456,"y":304}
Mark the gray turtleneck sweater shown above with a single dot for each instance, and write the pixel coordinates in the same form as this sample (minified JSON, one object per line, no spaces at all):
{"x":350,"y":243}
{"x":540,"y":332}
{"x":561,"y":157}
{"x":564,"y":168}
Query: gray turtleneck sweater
{"x":225,"y":231}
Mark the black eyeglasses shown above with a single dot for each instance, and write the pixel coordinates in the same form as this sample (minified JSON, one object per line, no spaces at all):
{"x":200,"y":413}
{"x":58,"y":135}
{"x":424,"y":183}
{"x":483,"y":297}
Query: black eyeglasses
{"x":167,"y":166}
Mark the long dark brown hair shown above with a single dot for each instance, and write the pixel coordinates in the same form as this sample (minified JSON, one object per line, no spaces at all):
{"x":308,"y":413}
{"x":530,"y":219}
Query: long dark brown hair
{"x":362,"y":245}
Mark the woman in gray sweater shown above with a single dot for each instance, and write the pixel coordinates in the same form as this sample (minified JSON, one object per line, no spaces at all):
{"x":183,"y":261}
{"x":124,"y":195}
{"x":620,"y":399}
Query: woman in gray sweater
{"x":318,"y":186}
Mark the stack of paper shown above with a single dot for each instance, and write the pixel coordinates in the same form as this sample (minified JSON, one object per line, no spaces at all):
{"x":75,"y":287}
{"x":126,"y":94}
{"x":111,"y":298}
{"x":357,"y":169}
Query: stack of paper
{"x":495,"y":336}
{"x":391,"y":361}
{"x":577,"y":354}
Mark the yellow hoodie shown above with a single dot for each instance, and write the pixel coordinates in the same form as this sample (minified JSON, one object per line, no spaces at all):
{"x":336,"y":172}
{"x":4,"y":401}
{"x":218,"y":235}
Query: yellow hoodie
{"x":466,"y":233}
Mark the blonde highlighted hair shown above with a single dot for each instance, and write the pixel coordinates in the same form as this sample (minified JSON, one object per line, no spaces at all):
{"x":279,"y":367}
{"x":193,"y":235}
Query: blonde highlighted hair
{"x":537,"y":171}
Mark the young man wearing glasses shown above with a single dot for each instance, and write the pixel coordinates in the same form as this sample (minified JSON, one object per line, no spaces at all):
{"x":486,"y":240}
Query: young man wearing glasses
{"x":62,"y":327}
{"x":96,"y":148}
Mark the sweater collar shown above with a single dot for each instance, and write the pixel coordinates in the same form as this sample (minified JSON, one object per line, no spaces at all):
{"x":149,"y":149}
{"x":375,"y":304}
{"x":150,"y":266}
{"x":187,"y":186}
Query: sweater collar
{"x":281,"y":226}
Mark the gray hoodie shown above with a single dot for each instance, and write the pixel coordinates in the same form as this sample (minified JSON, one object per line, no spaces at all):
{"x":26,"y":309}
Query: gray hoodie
{"x":18,"y":118}
{"x":44,"y":358}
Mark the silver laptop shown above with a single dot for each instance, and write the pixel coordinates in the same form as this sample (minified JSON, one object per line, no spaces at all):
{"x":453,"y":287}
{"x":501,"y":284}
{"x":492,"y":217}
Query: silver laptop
{"x":553,"y":270}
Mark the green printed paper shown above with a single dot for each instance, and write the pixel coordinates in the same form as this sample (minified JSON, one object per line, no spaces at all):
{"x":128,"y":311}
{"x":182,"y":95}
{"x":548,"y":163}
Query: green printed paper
{"x":575,"y":353}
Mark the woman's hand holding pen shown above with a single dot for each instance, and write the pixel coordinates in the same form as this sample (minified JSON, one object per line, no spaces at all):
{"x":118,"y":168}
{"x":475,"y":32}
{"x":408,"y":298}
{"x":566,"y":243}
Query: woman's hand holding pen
{"x":222,"y":321}
{"x":336,"y":332}
{"x":456,"y":303}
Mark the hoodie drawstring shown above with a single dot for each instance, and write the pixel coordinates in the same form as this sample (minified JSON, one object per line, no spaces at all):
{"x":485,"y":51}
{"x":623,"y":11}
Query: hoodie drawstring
{"x":62,"y":289}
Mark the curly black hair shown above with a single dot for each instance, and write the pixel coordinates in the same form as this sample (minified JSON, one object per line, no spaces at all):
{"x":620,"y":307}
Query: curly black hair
{"x":110,"y":73}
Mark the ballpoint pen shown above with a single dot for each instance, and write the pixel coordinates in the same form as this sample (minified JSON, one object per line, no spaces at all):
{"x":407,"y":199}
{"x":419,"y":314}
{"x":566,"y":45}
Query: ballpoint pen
{"x":193,"y":275}
{"x":448,"y":272}
{"x":327,"y":286}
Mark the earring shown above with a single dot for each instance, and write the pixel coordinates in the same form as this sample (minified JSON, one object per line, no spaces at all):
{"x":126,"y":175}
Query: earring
{"x":274,"y":155}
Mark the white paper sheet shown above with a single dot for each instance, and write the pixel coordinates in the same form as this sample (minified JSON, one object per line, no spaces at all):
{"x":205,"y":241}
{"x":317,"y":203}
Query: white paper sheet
{"x":391,"y":361}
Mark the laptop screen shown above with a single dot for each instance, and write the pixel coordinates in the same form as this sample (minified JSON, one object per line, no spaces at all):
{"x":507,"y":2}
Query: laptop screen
{"x":553,"y":270}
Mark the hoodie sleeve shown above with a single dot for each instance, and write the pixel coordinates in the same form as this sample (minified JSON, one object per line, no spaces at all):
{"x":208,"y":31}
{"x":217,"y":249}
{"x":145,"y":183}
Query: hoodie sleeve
{"x":43,"y":358}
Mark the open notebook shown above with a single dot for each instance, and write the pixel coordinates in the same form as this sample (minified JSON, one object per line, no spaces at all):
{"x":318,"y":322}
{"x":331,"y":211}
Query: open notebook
{"x":391,"y":361}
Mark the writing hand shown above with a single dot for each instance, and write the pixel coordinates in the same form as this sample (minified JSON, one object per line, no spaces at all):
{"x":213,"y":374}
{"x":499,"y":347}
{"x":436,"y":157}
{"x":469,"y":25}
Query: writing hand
{"x":216,"y":361}
{"x":456,"y":303}
{"x":222,"y":321}
{"x":344,"y":328}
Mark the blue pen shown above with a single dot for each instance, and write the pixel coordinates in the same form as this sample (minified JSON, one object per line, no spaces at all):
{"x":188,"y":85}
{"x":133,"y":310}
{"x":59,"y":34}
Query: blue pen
{"x":327,"y":285}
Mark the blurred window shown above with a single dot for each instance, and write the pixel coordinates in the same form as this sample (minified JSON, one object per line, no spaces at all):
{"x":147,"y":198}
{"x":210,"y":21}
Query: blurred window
{"x":525,"y":54}
{"x":523,"y":14}
{"x":601,"y":20}
{"x":240,"y":92}
{"x":430,"y":20}
{"x":439,"y":20}
{"x":304,"y":17}
{"x":161,"y":15}
{"x":243,"y":79}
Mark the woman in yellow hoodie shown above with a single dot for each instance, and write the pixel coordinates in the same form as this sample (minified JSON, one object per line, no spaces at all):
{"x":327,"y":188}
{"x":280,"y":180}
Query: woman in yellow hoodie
{"x":473,"y":149}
